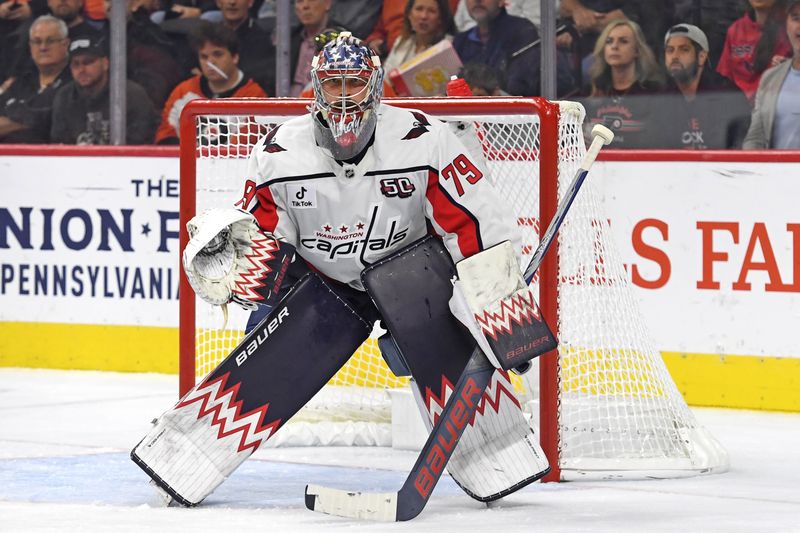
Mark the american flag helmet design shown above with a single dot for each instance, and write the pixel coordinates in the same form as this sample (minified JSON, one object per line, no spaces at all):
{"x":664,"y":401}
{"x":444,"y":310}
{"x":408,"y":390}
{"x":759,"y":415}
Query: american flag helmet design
{"x":348,"y":84}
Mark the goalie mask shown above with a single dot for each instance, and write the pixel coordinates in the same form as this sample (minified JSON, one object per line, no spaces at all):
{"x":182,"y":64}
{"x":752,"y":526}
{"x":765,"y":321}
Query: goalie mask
{"x":348,"y":83}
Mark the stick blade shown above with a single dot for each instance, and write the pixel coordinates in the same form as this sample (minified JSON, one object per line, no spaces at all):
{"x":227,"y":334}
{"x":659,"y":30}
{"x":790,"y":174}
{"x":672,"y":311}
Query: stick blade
{"x":380,"y":506}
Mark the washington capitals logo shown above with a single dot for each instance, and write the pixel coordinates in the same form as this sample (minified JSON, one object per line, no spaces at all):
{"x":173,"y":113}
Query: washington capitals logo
{"x":270,"y":145}
{"x":420,"y":126}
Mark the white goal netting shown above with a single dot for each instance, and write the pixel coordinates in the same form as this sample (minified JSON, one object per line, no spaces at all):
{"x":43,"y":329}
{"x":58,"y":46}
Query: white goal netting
{"x":619,"y":412}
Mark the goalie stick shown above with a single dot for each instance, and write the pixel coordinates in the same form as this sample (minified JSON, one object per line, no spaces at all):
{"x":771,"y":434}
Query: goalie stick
{"x":412,"y":497}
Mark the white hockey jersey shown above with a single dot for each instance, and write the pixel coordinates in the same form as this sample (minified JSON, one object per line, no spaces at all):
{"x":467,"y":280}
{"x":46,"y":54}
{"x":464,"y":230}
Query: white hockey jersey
{"x":417,"y":176}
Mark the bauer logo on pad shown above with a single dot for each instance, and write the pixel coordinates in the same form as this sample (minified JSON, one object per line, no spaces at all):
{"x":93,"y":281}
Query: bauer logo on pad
{"x":302,"y":196}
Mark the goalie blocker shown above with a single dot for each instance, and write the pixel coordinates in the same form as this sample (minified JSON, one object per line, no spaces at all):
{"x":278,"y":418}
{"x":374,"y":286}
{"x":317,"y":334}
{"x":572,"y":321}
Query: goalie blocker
{"x":499,"y":309}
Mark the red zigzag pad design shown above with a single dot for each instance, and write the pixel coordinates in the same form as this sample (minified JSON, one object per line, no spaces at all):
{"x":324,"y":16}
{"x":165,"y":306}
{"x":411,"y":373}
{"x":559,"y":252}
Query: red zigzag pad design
{"x":519,"y":307}
{"x":499,"y":387}
{"x":262,"y":251}
{"x":220,"y":402}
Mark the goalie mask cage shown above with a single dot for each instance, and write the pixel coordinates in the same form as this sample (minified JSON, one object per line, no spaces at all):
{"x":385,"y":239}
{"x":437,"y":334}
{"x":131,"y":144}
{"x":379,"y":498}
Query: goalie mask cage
{"x":605,"y":405}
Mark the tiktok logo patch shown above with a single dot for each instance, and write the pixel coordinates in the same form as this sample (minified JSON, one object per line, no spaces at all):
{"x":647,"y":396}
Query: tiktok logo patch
{"x":302,"y":196}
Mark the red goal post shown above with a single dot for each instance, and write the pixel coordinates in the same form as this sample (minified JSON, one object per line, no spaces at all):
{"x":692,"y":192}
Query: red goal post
{"x":590,"y":386}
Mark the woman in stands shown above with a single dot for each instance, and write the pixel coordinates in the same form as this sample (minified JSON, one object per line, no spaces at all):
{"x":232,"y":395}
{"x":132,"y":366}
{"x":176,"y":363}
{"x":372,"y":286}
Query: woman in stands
{"x":623,"y":62}
{"x":754,"y":43}
{"x":425,"y":23}
{"x":624,"y":75}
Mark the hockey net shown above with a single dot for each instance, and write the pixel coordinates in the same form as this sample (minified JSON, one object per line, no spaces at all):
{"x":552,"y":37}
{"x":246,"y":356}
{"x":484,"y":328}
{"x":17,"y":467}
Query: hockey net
{"x":607,"y":406}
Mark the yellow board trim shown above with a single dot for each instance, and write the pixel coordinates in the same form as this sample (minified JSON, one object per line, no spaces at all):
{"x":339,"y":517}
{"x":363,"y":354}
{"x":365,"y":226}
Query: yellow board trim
{"x":89,"y":347}
{"x":737,"y":381}
{"x":733,"y":381}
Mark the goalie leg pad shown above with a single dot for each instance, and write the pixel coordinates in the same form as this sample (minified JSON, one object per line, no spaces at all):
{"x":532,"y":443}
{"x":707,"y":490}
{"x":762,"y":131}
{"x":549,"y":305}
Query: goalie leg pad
{"x":498,"y":453}
{"x":274,"y":371}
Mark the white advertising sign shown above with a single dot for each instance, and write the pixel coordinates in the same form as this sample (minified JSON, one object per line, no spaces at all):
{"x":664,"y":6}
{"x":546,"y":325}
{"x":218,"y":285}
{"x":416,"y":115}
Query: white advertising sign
{"x":713,"y":250}
{"x":90,"y":240}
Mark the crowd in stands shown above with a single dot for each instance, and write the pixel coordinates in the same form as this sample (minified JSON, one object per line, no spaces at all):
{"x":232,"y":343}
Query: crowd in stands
{"x":676,"y":74}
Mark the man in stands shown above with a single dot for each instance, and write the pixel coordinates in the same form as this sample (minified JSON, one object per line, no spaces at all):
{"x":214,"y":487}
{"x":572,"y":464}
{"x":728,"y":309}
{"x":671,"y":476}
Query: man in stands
{"x":704,"y":110}
{"x":499,"y":40}
{"x":314,"y":16}
{"x":81,"y":110}
{"x":218,"y":55}
{"x":26,"y":106}
{"x":256,"y":51}
{"x":71,"y":12}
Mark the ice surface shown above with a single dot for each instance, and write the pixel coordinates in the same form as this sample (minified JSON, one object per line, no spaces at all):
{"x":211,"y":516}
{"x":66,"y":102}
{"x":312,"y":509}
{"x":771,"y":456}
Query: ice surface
{"x":64,"y":466}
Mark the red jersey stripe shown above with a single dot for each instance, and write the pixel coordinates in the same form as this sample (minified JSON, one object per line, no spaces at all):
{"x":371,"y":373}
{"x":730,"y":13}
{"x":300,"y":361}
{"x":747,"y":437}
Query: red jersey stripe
{"x":453,"y":218}
{"x":266,"y":212}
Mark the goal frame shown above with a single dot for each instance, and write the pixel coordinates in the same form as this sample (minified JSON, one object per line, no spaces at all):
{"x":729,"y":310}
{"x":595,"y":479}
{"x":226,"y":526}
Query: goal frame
{"x":548,"y":113}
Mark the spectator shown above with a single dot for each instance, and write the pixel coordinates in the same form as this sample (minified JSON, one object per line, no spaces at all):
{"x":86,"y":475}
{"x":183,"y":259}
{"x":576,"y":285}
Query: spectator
{"x":390,"y":25}
{"x":314,"y":18}
{"x":586,"y":19}
{"x":703,"y":110}
{"x":624,"y":75}
{"x":776,"y":116}
{"x":754,"y":43}
{"x":154,"y":61}
{"x":425,"y":23}
{"x":26,"y":106}
{"x":218,"y":54}
{"x":497,"y":40}
{"x":81,"y":107}
{"x":71,"y":12}
{"x":623,"y":62}
{"x":256,"y":51}
{"x":528,"y":9}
